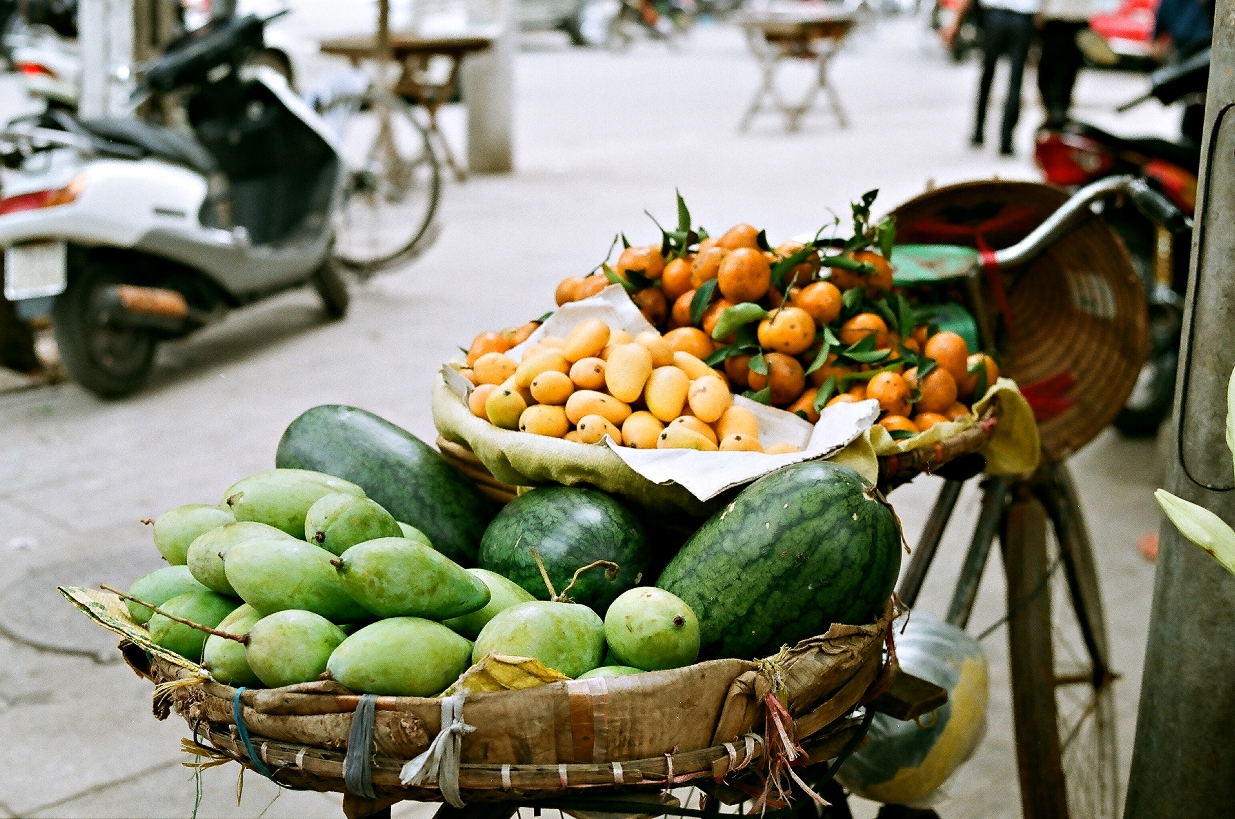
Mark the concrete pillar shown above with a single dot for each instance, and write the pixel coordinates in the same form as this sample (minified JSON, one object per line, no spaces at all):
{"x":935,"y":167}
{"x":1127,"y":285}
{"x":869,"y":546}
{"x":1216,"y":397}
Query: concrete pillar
{"x":487,"y":84}
{"x":1183,"y":763}
{"x":106,"y":41}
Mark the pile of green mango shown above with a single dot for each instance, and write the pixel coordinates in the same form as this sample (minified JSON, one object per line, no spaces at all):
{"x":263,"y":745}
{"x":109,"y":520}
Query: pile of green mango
{"x":302,"y":577}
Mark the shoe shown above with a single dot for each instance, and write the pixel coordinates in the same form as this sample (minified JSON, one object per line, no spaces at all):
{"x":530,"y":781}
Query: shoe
{"x":976,"y":141}
{"x":1006,"y":149}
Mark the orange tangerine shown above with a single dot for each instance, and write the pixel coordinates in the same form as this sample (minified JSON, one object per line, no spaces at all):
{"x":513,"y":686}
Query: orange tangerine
{"x":957,"y":410}
{"x":712,"y":315}
{"x":651,"y":302}
{"x":829,"y":370}
{"x":863,"y":325}
{"x":645,"y":260}
{"x":591,"y":286}
{"x":806,"y":405}
{"x":843,"y":398}
{"x":875,"y":284}
{"x":739,"y":236}
{"x":744,"y":275}
{"x":789,"y":330}
{"x":897,"y":423}
{"x":938,"y":391}
{"x":950,"y":353}
{"x":737,"y":367}
{"x":486,"y":342}
{"x":968,"y":385}
{"x":679,"y":316}
{"x":891,"y":391}
{"x":786,"y":376}
{"x":676,"y":279}
{"x":706,"y":265}
{"x":926,"y":420}
{"x":821,"y":299}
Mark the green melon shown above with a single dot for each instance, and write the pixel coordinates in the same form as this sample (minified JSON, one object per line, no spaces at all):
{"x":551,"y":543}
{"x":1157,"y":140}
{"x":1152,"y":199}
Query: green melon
{"x":569,"y":528}
{"x":799,"y":549}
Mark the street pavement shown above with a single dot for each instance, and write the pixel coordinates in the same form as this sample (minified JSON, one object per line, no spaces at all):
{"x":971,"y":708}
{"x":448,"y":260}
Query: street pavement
{"x":599,"y":138}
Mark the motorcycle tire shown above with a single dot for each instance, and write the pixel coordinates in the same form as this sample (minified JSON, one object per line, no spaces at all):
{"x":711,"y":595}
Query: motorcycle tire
{"x":1151,"y":402}
{"x":332,"y":288}
{"x":109,"y":361}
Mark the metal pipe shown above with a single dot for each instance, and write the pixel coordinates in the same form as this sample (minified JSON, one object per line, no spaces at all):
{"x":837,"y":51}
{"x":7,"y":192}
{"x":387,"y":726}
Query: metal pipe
{"x":1062,"y":221}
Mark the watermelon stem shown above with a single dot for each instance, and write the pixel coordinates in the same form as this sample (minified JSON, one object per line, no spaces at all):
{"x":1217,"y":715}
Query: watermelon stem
{"x":239,"y":638}
{"x":611,"y":570}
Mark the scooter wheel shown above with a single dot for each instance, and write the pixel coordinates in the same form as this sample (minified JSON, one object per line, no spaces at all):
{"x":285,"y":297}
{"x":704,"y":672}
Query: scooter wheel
{"x":109,"y":361}
{"x":332,"y":288}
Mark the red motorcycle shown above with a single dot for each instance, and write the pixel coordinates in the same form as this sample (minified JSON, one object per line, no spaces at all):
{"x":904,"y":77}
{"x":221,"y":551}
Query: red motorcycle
{"x":1077,"y":153}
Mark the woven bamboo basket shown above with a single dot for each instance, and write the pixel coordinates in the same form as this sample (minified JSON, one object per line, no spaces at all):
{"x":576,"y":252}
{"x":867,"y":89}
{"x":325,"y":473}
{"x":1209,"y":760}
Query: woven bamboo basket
{"x":710,"y":724}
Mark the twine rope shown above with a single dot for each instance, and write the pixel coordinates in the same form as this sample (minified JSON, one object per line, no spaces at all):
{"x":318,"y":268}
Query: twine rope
{"x":439,"y":764}
{"x":358,"y":764}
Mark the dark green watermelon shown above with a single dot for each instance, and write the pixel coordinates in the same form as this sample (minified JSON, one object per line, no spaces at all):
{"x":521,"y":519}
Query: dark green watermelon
{"x":799,"y":549}
{"x":403,"y":474}
{"x":569,"y":527}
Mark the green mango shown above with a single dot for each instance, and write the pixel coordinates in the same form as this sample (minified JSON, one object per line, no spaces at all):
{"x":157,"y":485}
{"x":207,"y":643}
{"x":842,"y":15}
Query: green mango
{"x":412,"y":533}
{"x":396,"y":577}
{"x":205,"y":608}
{"x":208,"y":549}
{"x":339,"y":521}
{"x":176,"y":529}
{"x":225,"y":659}
{"x":291,"y":646}
{"x":281,"y":497}
{"x":402,"y":657}
{"x":567,"y":637}
{"x":274,"y":574}
{"x":605,"y":671}
{"x":652,"y":629}
{"x":503,"y":594}
{"x":158,"y":587}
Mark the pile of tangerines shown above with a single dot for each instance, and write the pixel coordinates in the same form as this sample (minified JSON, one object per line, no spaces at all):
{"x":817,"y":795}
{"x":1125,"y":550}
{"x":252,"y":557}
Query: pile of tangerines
{"x":800,"y":327}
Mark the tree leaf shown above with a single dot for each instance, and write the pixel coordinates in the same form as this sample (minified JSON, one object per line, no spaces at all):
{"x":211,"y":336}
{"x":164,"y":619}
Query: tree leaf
{"x":1200,"y":526}
{"x":865,"y":344}
{"x":764,"y":396}
{"x":830,"y":337}
{"x":905,"y":316}
{"x":762,"y":240}
{"x":868,"y":357}
{"x":851,"y":300}
{"x":759,"y":364}
{"x":847,"y":263}
{"x":886,"y":233}
{"x":748,"y":339}
{"x":719,"y":356}
{"x":821,"y":358}
{"x":739,"y":315}
{"x":614,"y":278}
{"x":978,"y":368}
{"x":638,"y":280}
{"x":825,"y":393}
{"x":925,"y":365}
{"x":625,"y":241}
{"x":900,"y":434}
{"x":885,"y":312}
{"x":700,"y":301}
{"x":683,"y":213}
{"x":544,"y":318}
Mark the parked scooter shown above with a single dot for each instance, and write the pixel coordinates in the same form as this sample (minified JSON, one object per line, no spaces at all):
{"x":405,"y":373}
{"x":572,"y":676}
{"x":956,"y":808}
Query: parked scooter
{"x":1077,"y":153}
{"x":128,"y":233}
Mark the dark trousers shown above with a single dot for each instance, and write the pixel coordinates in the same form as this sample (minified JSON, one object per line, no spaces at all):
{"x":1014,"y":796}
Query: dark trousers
{"x":1004,"y":33}
{"x":1057,"y":69}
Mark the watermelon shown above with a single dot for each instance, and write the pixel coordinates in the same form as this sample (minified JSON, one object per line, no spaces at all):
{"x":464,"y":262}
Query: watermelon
{"x":799,"y":549}
{"x":403,"y":474}
{"x":569,"y":527}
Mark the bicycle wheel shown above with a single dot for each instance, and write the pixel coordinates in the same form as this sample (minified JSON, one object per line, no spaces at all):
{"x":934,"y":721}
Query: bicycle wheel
{"x":392,"y":180}
{"x":1062,"y":687}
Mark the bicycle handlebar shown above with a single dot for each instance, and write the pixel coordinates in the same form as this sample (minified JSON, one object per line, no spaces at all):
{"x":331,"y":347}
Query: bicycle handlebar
{"x":1148,"y":201}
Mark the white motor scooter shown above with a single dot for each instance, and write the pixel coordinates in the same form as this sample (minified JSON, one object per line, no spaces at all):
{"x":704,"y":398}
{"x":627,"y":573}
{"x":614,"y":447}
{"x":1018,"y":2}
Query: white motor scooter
{"x":127,"y":233}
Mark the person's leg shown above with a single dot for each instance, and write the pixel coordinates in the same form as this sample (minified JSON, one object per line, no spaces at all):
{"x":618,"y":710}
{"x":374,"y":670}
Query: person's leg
{"x":1021,"y":32}
{"x":994,"y":37}
{"x":1070,"y":62}
{"x":1049,"y":68}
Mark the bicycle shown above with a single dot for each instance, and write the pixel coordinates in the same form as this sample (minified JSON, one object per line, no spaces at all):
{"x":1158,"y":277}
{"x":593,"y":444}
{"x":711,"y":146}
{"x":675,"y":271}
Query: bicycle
{"x":392,"y":181}
{"x":1061,"y":676}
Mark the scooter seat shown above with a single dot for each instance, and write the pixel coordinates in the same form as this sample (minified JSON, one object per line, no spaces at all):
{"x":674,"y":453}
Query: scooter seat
{"x":164,"y":143}
{"x":1184,"y":152}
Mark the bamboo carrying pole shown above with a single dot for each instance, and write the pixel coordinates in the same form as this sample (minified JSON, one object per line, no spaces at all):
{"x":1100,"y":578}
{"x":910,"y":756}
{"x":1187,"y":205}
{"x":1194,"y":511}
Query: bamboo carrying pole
{"x":1183,"y":763}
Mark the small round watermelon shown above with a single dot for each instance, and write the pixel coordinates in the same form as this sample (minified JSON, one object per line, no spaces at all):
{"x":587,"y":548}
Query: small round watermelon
{"x":569,"y":528}
{"x":801,"y":548}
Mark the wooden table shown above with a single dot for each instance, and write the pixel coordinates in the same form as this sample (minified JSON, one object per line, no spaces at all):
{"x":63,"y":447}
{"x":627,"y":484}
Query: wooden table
{"x":416,"y":84}
{"x":810,"y":35}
